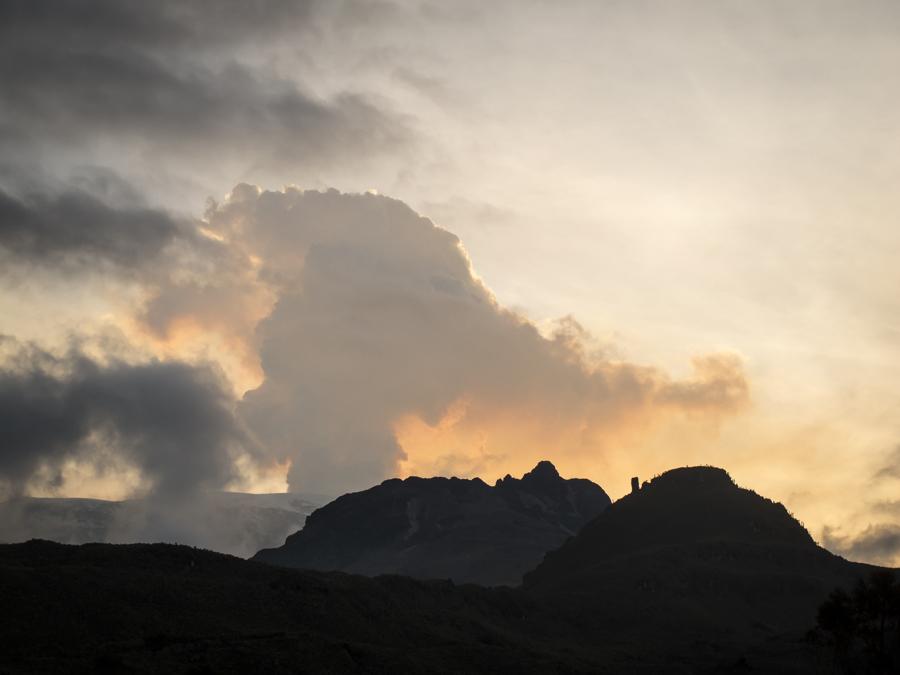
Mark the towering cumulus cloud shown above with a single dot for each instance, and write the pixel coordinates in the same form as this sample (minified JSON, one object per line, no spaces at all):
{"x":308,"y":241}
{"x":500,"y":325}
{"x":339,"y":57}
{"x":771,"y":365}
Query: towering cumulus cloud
{"x":377,"y":351}
{"x":378,"y":318}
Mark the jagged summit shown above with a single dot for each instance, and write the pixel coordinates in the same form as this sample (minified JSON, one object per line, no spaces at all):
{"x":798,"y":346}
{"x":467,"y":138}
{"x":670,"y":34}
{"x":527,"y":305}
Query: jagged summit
{"x":543,"y":470}
{"x":462,"y":529}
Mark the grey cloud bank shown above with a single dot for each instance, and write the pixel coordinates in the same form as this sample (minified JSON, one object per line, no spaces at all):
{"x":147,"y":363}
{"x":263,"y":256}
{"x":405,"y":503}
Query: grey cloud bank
{"x":79,"y":230}
{"x":173,"y":84}
{"x":172,"y":421}
{"x":879,"y":543}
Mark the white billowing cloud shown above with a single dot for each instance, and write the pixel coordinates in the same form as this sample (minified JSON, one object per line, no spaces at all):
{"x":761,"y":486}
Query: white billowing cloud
{"x":378,"y":317}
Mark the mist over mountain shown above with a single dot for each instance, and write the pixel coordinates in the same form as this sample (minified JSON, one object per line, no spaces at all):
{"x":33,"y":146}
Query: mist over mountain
{"x":229,"y":522}
{"x":445,"y":528}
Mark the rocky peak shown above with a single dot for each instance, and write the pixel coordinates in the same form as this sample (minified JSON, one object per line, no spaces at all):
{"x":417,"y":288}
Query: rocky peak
{"x":544,"y":470}
{"x":451,"y":528}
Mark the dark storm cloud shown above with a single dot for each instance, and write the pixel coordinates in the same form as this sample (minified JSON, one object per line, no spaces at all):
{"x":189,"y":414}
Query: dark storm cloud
{"x":878,"y":544}
{"x":167,"y":76}
{"x":171,"y":23}
{"x":171,"y":420}
{"x":77,"y":229}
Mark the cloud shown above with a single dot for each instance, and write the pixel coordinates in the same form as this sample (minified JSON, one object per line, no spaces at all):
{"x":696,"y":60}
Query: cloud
{"x":891,"y":467}
{"x":365,"y":324}
{"x":378,"y":317}
{"x":164,"y":277}
{"x":172,"y":77}
{"x":877,"y":544}
{"x":166,"y":23}
{"x":173,"y":421}
{"x":76,"y":229}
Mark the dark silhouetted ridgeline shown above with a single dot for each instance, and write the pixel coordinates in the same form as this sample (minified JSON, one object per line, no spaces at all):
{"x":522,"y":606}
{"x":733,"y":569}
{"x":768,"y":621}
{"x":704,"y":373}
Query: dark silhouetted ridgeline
{"x":450,"y":528}
{"x":690,"y":574}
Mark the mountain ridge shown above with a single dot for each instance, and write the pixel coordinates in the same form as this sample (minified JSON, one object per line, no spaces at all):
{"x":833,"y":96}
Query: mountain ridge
{"x":692,"y":542}
{"x":691,"y":574}
{"x":460,"y":529}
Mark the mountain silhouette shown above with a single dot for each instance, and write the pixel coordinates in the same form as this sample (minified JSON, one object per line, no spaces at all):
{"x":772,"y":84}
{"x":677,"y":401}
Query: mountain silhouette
{"x":445,"y":528}
{"x":688,"y":574}
{"x":693,"y":548}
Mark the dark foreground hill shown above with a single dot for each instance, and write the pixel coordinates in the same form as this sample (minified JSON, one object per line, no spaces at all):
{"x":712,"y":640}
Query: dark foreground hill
{"x":445,"y":528}
{"x":172,"y":609}
{"x":175,"y":609}
{"x":690,"y":575}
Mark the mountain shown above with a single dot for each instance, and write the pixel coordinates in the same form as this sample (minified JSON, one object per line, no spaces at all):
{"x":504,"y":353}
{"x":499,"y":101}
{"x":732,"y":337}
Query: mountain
{"x":691,"y":548}
{"x":229,"y":522}
{"x":445,"y":528}
{"x":690,"y":574}
{"x":158,"y":608}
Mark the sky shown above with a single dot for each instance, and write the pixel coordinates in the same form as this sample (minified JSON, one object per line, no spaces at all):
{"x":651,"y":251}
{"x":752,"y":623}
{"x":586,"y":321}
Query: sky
{"x":308,"y":245}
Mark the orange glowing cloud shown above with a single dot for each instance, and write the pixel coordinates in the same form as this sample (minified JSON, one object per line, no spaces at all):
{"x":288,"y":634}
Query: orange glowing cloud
{"x":583,"y":434}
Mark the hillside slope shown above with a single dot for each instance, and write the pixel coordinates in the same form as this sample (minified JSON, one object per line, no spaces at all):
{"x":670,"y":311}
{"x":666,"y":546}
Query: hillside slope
{"x":174,"y":609}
